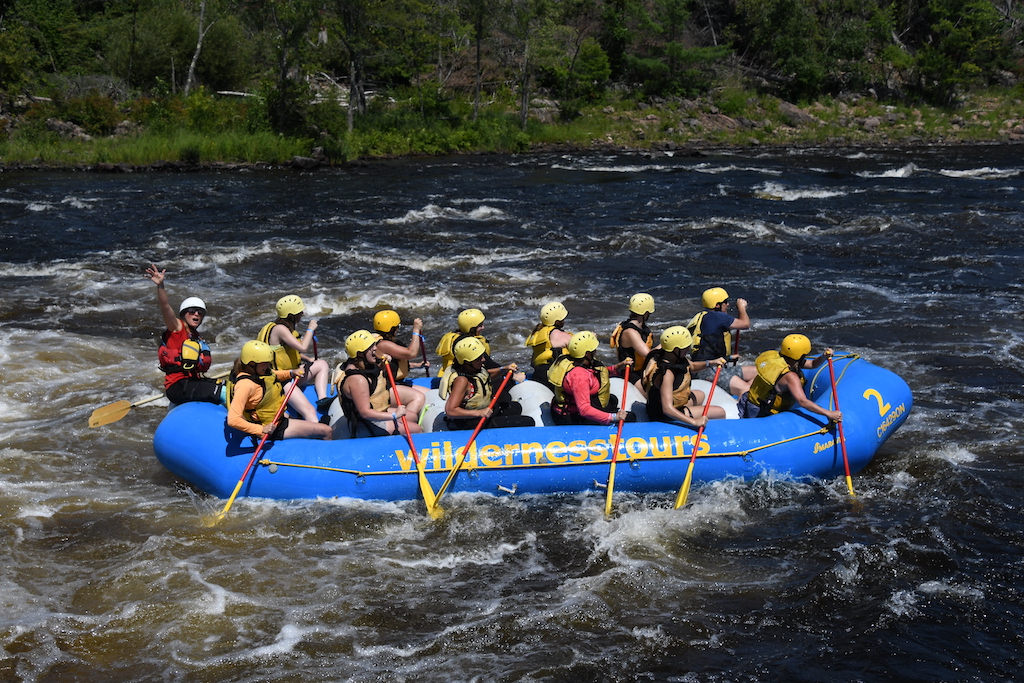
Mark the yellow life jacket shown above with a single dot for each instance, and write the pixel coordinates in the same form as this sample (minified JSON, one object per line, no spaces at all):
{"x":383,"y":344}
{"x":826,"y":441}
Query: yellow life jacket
{"x":655,"y":371}
{"x":540,"y":342}
{"x":446,"y":345}
{"x":285,"y":357}
{"x":624,"y":352}
{"x":771,"y":367}
{"x":694,"y":327}
{"x":379,"y":397}
{"x":561,"y":367}
{"x":273,"y":397}
{"x":480,"y":392}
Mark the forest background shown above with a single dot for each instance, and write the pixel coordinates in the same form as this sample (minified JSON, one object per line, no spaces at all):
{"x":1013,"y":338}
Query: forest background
{"x":326,"y":81}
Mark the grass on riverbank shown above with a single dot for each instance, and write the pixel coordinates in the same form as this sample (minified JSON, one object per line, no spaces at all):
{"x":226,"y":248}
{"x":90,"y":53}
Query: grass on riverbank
{"x":728,"y":117}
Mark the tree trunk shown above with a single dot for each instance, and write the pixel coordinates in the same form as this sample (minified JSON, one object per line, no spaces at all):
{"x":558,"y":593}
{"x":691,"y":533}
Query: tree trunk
{"x":352,"y":94}
{"x":199,"y":47}
{"x":524,"y":105}
{"x":479,"y":68}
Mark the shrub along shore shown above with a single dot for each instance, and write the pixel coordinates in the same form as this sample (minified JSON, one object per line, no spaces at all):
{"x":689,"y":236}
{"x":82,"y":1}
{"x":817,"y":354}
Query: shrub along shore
{"x":730,"y":118}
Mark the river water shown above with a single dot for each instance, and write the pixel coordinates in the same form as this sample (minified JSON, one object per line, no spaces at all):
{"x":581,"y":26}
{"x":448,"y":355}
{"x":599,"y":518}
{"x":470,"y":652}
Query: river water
{"x":911,"y":258}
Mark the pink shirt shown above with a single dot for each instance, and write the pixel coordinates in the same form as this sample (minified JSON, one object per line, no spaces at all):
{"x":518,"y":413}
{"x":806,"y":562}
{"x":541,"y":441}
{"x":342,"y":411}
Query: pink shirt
{"x":579,"y":384}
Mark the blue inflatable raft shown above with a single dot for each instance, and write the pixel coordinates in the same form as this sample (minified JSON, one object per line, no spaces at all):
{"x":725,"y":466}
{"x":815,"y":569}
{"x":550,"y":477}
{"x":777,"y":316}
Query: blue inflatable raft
{"x":194,"y":443}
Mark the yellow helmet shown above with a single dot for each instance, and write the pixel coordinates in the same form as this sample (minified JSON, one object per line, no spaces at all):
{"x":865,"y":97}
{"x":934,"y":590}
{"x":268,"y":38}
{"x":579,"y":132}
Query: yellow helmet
{"x":553,"y":312}
{"x":676,"y":337}
{"x":289,"y":305}
{"x":468,"y":350}
{"x":714,"y":296}
{"x":641,"y":303}
{"x":795,"y":346}
{"x":470,"y":318}
{"x":385,"y":321}
{"x":256,"y":352}
{"x":359,"y":341}
{"x":582,"y":342}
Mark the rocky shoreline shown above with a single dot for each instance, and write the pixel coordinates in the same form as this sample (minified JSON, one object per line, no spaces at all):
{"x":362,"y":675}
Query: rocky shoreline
{"x":672,"y":127}
{"x":663,"y":149}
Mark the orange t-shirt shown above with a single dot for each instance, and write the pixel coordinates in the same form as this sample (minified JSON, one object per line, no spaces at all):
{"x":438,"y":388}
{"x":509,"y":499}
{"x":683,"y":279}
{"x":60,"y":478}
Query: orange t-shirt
{"x":245,"y":398}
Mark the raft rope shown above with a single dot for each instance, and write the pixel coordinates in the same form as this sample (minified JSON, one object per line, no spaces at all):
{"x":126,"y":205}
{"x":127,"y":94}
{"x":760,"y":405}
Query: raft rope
{"x":743,"y":454}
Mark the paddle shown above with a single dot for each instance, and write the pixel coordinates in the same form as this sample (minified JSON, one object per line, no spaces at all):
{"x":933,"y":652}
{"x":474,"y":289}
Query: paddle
{"x":423,"y":350}
{"x":684,"y":490}
{"x":255,"y":455}
{"x":429,"y":498}
{"x":842,"y":437}
{"x":479,"y":426}
{"x":115,"y":411}
{"x":615,"y":449}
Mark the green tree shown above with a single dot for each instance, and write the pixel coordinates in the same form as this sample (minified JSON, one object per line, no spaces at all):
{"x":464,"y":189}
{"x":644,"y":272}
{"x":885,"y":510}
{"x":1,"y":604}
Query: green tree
{"x":963,"y":44}
{"x":18,"y":60}
{"x":781,"y":38}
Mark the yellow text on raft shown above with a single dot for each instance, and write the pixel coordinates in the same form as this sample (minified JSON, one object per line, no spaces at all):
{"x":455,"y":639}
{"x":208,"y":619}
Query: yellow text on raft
{"x":441,"y":455}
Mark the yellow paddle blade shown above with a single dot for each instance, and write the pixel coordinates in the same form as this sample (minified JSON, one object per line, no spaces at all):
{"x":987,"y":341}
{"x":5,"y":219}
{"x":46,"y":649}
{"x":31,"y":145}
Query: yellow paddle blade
{"x":684,"y":490}
{"x":611,"y":488}
{"x":433,"y":509}
{"x":109,"y":413}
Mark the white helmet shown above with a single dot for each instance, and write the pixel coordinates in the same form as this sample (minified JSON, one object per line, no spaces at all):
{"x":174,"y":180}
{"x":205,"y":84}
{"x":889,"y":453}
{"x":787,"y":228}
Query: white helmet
{"x":191,"y":302}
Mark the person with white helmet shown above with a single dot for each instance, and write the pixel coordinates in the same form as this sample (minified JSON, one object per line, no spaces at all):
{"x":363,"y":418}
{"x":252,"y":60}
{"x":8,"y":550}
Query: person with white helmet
{"x":548,"y":339}
{"x":366,"y":400}
{"x":667,"y":380}
{"x":779,"y":384}
{"x":632,"y":337}
{"x":291,"y":351}
{"x":256,"y":392}
{"x":712,"y":331}
{"x":582,"y":388}
{"x":468,"y":387}
{"x":184,"y":355}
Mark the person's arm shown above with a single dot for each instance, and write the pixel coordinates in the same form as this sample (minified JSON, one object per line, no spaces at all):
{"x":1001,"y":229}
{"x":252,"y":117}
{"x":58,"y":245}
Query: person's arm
{"x":559,"y":339}
{"x":282,"y":336}
{"x":578,"y":385}
{"x":396,"y":350}
{"x":417,"y":339}
{"x":668,"y":402}
{"x":811,"y":363}
{"x":634,"y":342}
{"x":792,"y":383}
{"x":359,"y":391}
{"x":171,"y":320}
{"x":244,"y":393}
{"x":698,"y":365}
{"x":453,"y":406}
{"x":742,"y":321}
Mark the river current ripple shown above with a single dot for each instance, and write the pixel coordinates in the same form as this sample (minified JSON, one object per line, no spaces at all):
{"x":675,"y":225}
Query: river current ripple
{"x":910,"y":257}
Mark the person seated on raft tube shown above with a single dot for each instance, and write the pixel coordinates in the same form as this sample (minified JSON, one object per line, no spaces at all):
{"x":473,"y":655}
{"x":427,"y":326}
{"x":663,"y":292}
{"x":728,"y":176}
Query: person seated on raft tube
{"x":386,"y":324}
{"x":712,"y":338}
{"x":582,"y":391}
{"x":183,"y":355}
{"x":467,"y":387}
{"x":632,"y":337}
{"x":548,"y":340}
{"x":471,"y":323}
{"x":667,"y":378}
{"x":365,"y":397}
{"x":255,"y":394}
{"x":779,"y":384}
{"x":290,"y":349}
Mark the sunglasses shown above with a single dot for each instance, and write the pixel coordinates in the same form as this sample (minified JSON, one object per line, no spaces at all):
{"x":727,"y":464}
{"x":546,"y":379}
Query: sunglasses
{"x":190,"y":311}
